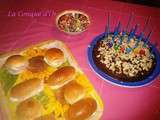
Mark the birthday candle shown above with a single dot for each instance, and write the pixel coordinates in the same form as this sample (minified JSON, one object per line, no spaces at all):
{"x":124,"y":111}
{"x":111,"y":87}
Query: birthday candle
{"x":139,"y":39}
{"x":125,"y":30}
{"x":121,"y":39}
{"x":132,"y":33}
{"x":141,"y":34}
{"x":129,"y":21}
{"x":147,"y":39}
{"x":107,"y":29}
{"x":116,"y":31}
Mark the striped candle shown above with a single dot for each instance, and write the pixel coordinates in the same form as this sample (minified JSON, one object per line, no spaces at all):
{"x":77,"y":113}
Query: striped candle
{"x":116,"y":31}
{"x":125,"y":30}
{"x":139,"y":39}
{"x":132,"y":33}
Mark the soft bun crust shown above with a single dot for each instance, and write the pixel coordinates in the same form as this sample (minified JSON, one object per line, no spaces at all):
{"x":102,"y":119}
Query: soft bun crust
{"x":73,"y":92}
{"x":28,"y":110}
{"x":26,"y":89}
{"x":36,"y":64}
{"x":82,"y":109}
{"x":16,"y":64}
{"x":54,"y":57}
{"x":59,"y":94}
{"x":61,"y":77}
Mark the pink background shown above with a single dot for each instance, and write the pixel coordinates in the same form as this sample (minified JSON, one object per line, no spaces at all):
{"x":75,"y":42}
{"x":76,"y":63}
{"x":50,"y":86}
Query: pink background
{"x":119,"y":103}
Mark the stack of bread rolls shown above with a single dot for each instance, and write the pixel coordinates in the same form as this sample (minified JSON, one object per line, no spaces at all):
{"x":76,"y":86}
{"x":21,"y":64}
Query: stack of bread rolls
{"x":61,"y":81}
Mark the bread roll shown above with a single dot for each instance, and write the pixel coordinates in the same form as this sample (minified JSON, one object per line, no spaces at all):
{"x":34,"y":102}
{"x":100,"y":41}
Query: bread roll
{"x":26,"y":89}
{"x":73,"y":92}
{"x":61,"y":77}
{"x":16,"y":64}
{"x":29,"y":110}
{"x":59,"y":94}
{"x":82,"y":110}
{"x":54,"y":57}
{"x":37,"y":64}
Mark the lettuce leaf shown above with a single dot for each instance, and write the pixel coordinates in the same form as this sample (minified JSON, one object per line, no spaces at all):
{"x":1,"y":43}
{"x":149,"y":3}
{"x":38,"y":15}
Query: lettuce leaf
{"x":43,"y":99}
{"x":7,"y":80}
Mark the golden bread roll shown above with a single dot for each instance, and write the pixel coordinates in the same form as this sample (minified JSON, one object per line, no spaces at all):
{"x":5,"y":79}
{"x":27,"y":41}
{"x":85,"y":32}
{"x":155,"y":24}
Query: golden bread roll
{"x":73,"y":92}
{"x":26,"y":89}
{"x":59,"y":94}
{"x":28,"y":110}
{"x":61,"y":77}
{"x":54,"y":57}
{"x":37,"y":64}
{"x":16,"y":64}
{"x":82,"y":110}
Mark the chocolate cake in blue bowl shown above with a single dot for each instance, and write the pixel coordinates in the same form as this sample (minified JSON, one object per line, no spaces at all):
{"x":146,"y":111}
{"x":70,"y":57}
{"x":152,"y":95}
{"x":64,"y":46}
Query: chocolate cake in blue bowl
{"x":124,"y":58}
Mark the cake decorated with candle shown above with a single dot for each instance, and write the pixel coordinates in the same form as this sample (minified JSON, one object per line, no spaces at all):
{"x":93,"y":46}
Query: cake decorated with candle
{"x":126,"y":58}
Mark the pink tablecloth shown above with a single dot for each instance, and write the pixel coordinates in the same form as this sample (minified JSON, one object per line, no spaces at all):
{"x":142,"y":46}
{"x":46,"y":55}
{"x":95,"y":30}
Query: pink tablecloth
{"x":18,"y":30}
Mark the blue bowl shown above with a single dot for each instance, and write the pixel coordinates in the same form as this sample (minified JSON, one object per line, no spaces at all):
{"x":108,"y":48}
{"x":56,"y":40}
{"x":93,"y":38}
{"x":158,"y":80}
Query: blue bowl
{"x":114,"y":81}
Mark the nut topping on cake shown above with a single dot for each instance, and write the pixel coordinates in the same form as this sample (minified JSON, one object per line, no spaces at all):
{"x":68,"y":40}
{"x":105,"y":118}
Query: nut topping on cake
{"x":116,"y":60}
